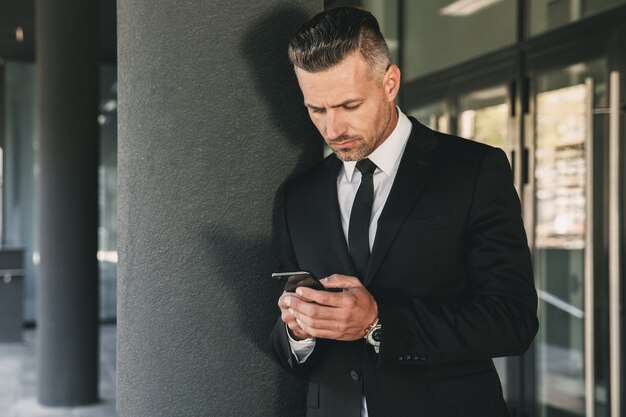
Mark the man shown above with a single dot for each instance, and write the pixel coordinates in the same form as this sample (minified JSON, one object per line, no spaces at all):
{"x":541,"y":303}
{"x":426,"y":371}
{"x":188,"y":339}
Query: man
{"x":421,"y":232}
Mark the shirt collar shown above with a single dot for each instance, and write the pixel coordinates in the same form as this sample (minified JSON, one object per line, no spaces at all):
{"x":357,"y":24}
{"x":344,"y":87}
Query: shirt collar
{"x":387,"y":155}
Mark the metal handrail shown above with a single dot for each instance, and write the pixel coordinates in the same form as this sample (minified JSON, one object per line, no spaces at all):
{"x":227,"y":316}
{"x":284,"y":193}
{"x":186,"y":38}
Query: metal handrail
{"x":615,"y":338}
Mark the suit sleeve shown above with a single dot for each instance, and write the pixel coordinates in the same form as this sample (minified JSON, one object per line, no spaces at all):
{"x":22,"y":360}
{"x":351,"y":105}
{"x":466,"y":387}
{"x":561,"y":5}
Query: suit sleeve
{"x":496,"y":315}
{"x":287,"y":262}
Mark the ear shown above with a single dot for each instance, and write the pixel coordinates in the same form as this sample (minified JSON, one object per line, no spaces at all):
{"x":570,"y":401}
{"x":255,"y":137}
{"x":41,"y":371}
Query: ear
{"x":391,"y":82}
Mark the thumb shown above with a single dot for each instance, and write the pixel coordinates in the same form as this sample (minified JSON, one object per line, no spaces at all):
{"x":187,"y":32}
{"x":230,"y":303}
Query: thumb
{"x":341,"y":281}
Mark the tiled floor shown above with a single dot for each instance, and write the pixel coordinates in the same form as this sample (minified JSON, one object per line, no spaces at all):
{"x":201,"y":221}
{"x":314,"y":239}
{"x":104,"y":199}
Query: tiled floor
{"x":18,"y":380}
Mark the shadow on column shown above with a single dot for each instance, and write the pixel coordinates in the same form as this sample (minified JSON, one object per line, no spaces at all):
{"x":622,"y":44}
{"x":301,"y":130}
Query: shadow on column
{"x":265,"y":49}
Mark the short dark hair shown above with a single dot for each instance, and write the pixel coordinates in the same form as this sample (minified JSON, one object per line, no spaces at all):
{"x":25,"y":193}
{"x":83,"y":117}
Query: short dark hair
{"x":330,"y":36}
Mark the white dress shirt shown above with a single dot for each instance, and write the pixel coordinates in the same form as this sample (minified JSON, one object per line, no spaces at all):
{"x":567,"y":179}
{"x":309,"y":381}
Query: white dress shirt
{"x":387,"y":159}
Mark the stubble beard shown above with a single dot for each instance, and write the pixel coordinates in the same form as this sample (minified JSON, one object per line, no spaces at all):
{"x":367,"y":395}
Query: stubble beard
{"x":361,"y":148}
{"x":358,"y":151}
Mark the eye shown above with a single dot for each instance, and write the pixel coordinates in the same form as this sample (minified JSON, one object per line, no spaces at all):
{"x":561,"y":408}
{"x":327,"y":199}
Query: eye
{"x":317,"y":111}
{"x":352,"y":106}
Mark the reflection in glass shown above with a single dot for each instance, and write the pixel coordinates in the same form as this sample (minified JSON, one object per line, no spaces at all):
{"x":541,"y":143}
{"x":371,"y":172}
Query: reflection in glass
{"x":560,"y":195}
{"x":484,"y":117}
{"x":21,"y":180}
{"x":560,"y":168}
{"x":386,"y":12}
{"x":1,"y":192}
{"x":487,"y":125}
{"x":433,"y":115}
{"x":107,"y":192}
{"x":545,"y":15}
{"x":21,"y":170}
{"x":437,"y":32}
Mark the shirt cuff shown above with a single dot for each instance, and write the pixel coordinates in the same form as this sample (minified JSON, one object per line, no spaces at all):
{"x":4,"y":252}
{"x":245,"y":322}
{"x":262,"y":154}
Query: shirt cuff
{"x":301,"y":349}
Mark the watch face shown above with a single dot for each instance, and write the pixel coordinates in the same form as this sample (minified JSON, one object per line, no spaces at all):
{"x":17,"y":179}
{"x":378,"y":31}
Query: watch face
{"x":377,"y":334}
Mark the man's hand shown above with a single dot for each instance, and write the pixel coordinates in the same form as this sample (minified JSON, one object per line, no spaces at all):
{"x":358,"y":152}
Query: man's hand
{"x":295,"y":330}
{"x":331,"y":315}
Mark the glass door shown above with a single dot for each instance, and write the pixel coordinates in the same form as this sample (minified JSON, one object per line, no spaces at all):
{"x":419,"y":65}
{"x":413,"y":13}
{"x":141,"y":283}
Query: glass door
{"x":485,"y":116}
{"x":569,"y":136}
{"x":434,"y":115}
{"x":570,"y":176}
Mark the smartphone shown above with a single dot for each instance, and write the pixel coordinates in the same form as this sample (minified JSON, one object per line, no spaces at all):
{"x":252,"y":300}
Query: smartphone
{"x":293,"y":280}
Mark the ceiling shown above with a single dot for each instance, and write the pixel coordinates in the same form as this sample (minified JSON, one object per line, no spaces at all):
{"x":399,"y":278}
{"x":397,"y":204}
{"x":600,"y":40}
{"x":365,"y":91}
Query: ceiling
{"x":20,"y":14}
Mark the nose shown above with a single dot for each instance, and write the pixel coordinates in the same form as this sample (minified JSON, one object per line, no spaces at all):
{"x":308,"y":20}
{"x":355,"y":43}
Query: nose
{"x":335,"y":125}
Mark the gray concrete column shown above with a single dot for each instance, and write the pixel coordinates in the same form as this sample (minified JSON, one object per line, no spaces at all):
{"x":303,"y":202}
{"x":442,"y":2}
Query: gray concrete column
{"x":67,"y":287}
{"x":210,"y":123}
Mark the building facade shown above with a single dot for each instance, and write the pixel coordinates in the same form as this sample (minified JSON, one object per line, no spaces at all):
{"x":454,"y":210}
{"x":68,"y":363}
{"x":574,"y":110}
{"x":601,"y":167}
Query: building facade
{"x":545,"y":80}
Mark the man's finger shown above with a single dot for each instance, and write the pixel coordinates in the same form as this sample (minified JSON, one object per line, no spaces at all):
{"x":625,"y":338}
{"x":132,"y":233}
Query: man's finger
{"x":296,"y":330}
{"x":328,"y":333}
{"x":319,"y":333}
{"x":318,"y":311}
{"x":290,"y":299}
{"x":318,"y":324}
{"x":341,"y":281}
{"x":326,"y":298}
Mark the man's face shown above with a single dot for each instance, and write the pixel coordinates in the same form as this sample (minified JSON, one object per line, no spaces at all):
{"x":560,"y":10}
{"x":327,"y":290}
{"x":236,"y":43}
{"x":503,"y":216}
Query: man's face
{"x":354,"y":113}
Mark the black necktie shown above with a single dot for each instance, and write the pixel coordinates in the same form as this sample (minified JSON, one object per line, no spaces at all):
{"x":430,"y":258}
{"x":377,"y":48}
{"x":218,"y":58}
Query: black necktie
{"x":359,"y":228}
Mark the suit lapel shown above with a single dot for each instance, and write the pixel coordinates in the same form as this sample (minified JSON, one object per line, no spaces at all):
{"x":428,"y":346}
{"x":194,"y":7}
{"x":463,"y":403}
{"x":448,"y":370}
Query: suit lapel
{"x":413,"y":172}
{"x":331,"y":219}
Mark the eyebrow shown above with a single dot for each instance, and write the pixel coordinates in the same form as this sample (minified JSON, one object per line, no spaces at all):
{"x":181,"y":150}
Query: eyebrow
{"x":342,"y":104}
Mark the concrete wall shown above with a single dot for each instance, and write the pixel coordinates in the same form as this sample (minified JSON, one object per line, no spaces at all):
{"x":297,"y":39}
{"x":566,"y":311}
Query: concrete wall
{"x":210,"y":124}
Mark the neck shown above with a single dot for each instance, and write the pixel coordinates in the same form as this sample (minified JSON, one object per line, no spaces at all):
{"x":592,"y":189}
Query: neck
{"x":391,"y":124}
{"x":393,"y":120}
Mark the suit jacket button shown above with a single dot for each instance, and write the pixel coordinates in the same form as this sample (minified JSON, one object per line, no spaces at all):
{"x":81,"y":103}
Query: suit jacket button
{"x":400,"y":358}
{"x":424,"y":358}
{"x":354,"y":375}
{"x":416,"y":357}
{"x":407,"y":357}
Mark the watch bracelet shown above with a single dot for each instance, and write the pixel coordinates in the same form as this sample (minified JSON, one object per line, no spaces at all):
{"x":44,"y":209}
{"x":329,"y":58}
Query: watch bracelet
{"x":370,"y":327}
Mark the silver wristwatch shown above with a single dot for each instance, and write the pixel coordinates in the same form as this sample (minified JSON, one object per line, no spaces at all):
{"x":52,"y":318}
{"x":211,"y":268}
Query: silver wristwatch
{"x":374,"y":336}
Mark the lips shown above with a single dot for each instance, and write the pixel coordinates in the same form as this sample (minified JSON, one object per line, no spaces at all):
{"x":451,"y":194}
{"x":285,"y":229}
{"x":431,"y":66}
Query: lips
{"x":342,"y":145}
{"x":344,"y":142}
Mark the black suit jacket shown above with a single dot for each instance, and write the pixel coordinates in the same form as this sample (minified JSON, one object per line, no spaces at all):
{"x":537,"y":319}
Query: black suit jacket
{"x":450,"y":270}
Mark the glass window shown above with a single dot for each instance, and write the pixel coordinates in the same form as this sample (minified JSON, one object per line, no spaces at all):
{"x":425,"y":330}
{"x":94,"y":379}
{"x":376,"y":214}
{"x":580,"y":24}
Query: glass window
{"x":21,"y":173}
{"x":484,"y":117}
{"x":386,"y":13}
{"x":1,"y":191}
{"x":433,"y":115}
{"x":439,"y":34}
{"x":107,"y":192}
{"x":563,"y":137}
{"x":545,"y":15}
{"x":559,"y":231}
{"x":560,"y":174}
{"x":19,"y":197}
